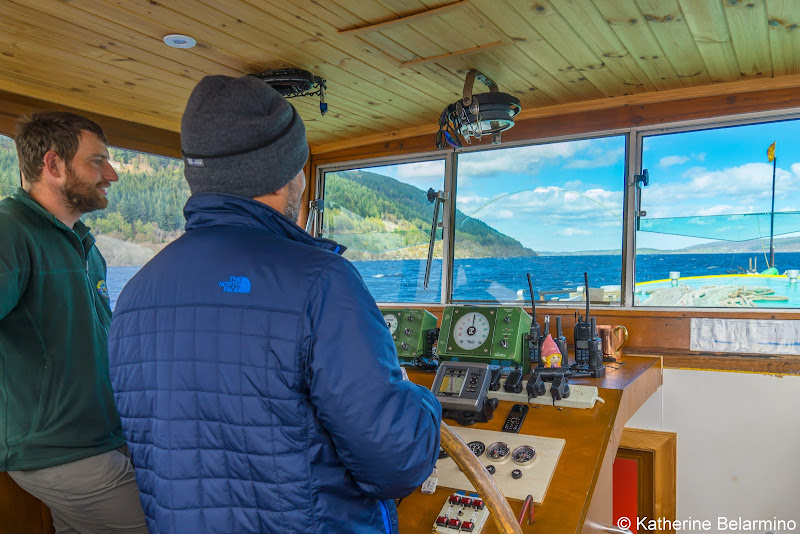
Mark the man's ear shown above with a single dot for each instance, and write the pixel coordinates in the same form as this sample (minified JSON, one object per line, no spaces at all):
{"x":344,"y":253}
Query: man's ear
{"x":53,"y":164}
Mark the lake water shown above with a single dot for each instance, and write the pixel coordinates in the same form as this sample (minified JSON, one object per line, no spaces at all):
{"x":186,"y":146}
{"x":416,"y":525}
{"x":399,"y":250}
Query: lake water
{"x":500,"y":279}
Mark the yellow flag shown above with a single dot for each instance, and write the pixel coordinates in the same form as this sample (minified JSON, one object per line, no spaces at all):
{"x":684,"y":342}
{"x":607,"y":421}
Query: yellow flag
{"x":771,"y":151}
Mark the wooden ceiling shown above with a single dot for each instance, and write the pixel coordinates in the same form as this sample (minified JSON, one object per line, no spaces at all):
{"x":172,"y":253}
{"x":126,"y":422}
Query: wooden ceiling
{"x":389,"y":64}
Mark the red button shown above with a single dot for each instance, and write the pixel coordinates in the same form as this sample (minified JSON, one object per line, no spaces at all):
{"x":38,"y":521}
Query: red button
{"x":454,"y":499}
{"x":453,"y":523}
{"x":467,"y":526}
{"x":466,"y":501}
{"x":478,"y":504}
{"x":441,"y":520}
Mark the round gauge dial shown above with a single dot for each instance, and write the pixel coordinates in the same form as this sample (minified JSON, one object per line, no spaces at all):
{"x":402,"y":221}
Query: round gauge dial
{"x":471,"y":330}
{"x":497,"y":452}
{"x":391,"y":321}
{"x":523,"y":455}
{"x":477,"y":447}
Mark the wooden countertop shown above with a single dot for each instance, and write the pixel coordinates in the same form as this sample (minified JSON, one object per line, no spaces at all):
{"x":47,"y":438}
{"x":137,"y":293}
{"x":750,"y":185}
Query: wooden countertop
{"x":579,"y":497}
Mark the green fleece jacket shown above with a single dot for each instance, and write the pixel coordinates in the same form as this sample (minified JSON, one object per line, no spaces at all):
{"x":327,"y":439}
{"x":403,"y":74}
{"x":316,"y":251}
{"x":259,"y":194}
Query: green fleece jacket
{"x":56,"y":403}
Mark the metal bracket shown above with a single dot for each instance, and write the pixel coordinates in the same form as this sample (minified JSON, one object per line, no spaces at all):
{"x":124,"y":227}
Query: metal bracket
{"x":438,"y":198}
{"x":640,"y":180}
{"x":315,"y":209}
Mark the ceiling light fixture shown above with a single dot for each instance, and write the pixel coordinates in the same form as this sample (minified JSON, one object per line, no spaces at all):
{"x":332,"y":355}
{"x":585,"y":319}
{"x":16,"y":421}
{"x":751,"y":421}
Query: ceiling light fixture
{"x":477,"y":115}
{"x":176,"y":40}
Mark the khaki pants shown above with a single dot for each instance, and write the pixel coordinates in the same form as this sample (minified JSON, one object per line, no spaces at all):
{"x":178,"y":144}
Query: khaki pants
{"x":96,"y":495}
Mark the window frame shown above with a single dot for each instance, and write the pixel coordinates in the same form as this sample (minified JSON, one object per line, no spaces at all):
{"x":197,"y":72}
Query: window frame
{"x":633,"y":165}
{"x":449,"y":184}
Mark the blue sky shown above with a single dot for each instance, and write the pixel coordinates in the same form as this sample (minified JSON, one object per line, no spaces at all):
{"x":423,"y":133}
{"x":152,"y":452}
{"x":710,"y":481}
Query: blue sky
{"x":568,"y":196}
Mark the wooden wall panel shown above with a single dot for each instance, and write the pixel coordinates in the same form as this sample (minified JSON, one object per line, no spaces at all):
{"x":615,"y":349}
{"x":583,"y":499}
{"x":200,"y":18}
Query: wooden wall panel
{"x":120,"y":133}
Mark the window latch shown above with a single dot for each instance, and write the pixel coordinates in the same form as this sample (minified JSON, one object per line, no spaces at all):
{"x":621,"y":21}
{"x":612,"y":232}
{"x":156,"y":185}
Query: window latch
{"x":640,"y":180}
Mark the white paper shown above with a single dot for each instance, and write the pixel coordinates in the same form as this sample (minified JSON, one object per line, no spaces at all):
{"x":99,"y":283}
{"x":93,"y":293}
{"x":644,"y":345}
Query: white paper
{"x":745,"y":336}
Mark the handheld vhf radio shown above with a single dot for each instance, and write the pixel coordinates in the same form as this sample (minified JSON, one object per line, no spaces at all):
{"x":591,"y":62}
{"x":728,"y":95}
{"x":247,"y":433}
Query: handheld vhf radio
{"x":535,"y":337}
{"x":588,"y":346}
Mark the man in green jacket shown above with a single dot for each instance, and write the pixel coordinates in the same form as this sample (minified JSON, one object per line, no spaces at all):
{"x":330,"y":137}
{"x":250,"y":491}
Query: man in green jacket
{"x":60,"y":435}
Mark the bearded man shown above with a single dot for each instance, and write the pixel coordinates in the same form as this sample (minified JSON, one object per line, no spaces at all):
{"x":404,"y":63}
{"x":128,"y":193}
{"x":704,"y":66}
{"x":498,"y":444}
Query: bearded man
{"x":60,"y":436}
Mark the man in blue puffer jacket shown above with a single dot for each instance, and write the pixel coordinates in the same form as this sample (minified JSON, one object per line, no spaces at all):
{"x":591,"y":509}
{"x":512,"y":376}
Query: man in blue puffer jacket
{"x":257,"y":382}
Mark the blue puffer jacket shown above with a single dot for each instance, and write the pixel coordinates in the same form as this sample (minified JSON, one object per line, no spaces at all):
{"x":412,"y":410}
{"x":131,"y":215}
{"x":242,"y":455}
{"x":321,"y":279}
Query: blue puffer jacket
{"x":258,"y":384}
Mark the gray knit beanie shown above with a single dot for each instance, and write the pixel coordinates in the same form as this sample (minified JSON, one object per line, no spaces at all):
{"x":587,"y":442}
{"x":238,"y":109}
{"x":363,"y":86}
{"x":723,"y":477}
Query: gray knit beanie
{"x":240,"y":136}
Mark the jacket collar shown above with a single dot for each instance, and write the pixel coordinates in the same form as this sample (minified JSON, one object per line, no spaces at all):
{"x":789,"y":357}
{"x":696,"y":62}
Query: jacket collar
{"x":204,"y":210}
{"x":80,"y":229}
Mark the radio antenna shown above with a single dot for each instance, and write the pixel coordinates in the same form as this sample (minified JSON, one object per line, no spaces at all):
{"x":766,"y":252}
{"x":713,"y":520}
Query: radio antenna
{"x":533,"y":302}
{"x":586,"y":289}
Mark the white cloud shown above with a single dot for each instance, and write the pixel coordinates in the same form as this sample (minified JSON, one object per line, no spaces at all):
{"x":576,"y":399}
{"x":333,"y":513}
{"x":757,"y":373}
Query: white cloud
{"x":504,"y":214}
{"x":424,"y":173}
{"x":602,"y":158}
{"x":669,"y":161}
{"x":516,"y":160}
{"x":569,"y":232}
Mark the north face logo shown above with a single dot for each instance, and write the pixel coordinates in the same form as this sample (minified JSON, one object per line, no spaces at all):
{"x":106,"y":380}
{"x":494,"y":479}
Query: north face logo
{"x":236,"y":284}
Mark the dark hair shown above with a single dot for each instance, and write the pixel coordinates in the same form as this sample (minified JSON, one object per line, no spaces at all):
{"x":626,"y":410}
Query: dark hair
{"x":58,"y":131}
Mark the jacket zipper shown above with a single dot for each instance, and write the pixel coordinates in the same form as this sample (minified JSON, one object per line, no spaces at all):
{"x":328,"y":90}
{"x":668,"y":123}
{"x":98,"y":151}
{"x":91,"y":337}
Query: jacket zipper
{"x":387,"y":520}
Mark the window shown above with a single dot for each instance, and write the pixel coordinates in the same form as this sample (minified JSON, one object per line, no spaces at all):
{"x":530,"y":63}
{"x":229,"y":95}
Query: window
{"x":383,"y":216}
{"x":705,"y":239}
{"x":9,"y":167}
{"x":144,"y":213}
{"x":552,"y":210}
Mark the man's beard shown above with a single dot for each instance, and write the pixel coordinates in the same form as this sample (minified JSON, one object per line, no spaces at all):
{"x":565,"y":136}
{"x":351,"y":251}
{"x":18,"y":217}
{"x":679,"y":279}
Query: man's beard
{"x":79,"y":196}
{"x":294,"y":199}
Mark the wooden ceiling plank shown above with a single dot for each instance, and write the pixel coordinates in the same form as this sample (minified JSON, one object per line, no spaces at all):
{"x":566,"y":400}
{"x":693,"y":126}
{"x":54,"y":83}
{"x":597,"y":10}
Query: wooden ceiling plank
{"x":670,"y":29}
{"x":19,"y":42}
{"x":380,"y":68}
{"x":302,"y":48}
{"x":784,"y":36}
{"x":121,"y":23}
{"x":549,"y":23}
{"x":706,"y":21}
{"x":254,"y":54}
{"x":626,"y":21}
{"x":585,"y":19}
{"x":747,"y":22}
{"x":561,"y":84}
{"x":408,"y":19}
{"x":104,"y":44}
{"x":14,"y":81}
{"x":536,"y":46}
{"x":77,"y":79}
{"x":451,"y":55}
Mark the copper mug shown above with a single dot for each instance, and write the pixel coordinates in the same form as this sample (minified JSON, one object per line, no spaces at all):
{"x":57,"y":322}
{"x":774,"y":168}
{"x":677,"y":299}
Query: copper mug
{"x":613,"y":338}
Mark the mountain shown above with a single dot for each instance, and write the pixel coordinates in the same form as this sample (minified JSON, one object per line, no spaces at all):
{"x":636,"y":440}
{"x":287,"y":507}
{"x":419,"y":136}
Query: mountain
{"x":378,"y":217}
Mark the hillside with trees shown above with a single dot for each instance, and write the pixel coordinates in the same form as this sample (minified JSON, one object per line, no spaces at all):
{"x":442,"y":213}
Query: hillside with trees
{"x":375,"y":216}
{"x":378,"y":217}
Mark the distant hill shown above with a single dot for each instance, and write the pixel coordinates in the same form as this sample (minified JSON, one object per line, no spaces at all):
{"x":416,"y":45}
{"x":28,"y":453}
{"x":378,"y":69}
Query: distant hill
{"x":384,"y":218}
{"x":376,"y":216}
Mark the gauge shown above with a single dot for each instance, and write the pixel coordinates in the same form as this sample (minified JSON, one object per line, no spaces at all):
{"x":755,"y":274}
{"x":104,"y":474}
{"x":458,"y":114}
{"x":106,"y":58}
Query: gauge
{"x":523,"y":455}
{"x":443,"y":453}
{"x":471,"y":330}
{"x":476,"y":447}
{"x":391,"y":321}
{"x":497,"y":452}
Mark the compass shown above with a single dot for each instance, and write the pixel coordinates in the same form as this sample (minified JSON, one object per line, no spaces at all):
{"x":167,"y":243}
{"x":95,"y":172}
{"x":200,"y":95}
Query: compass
{"x":497,"y":452}
{"x":523,"y":455}
{"x":477,"y":447}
